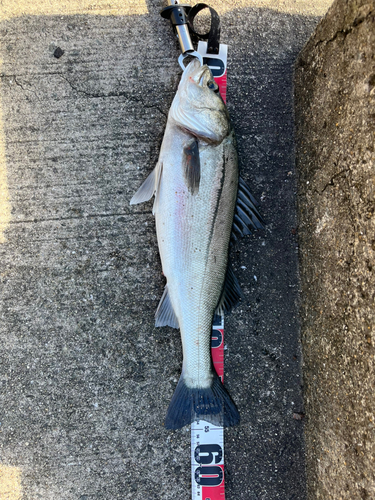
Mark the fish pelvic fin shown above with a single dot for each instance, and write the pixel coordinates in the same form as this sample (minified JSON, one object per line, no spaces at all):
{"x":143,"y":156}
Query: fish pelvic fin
{"x":165,"y":315}
{"x":212,"y":404}
{"x":149,"y":187}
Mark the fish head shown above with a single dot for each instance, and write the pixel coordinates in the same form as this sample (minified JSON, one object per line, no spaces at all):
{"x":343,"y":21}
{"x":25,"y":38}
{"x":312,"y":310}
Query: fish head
{"x":197,"y":107}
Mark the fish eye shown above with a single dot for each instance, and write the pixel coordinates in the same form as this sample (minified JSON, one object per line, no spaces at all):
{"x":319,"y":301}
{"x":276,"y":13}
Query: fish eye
{"x":212,"y":85}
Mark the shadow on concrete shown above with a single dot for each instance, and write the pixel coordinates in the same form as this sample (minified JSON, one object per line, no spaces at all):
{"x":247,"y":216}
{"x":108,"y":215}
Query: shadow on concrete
{"x":85,"y":377}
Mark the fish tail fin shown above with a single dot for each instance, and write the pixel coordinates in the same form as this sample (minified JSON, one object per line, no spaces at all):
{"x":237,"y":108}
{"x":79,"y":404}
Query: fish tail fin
{"x":213,"y":404}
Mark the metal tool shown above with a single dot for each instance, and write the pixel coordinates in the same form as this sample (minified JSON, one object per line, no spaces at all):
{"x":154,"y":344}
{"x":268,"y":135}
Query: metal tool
{"x":177,"y":14}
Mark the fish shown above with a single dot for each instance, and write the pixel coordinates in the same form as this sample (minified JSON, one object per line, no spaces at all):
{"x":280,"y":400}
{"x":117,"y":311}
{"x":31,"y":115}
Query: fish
{"x":200,"y":206}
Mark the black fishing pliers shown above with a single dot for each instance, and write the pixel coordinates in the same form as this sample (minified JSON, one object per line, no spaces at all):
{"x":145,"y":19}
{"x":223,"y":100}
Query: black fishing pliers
{"x":182,"y":19}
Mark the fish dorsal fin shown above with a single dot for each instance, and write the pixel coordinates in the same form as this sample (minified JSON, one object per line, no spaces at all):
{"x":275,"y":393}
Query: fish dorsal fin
{"x":192,"y":170}
{"x":246,"y":216}
{"x":231,"y":293}
{"x":149,"y":186}
{"x":165,"y":315}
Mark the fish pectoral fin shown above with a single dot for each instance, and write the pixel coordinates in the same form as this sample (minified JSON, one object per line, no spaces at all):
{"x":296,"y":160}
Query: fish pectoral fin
{"x":231,"y":293}
{"x":147,"y":189}
{"x":246,"y":216}
{"x":159,"y":172}
{"x":165,"y":315}
{"x":192,"y":167}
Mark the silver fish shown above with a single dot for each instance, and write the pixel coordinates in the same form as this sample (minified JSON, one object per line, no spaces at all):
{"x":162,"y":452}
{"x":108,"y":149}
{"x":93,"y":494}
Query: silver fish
{"x":198,"y":199}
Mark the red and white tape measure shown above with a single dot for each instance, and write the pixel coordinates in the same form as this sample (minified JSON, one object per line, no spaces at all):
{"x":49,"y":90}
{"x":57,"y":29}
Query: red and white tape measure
{"x":217,"y":64}
{"x":207,"y":440}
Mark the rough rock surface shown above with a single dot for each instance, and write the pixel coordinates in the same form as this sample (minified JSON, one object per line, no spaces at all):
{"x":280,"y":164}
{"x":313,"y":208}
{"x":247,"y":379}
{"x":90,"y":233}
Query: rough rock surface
{"x":335,"y":127}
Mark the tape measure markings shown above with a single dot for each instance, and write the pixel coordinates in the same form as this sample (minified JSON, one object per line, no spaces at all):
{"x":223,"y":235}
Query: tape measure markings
{"x":207,"y":440}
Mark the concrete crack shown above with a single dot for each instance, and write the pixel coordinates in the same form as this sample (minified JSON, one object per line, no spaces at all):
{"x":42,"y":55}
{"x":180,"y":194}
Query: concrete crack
{"x":357,"y":21}
{"x":18,"y":83}
{"x":335,"y":176}
{"x":58,"y":219}
{"x":114,"y":94}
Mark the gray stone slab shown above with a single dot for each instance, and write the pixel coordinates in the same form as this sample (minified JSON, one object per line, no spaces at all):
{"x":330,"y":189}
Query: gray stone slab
{"x":85,"y":377}
{"x":335,"y":110}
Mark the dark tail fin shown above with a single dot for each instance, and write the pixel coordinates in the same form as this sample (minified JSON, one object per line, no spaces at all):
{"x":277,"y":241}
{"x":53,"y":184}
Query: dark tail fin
{"x":212,"y":404}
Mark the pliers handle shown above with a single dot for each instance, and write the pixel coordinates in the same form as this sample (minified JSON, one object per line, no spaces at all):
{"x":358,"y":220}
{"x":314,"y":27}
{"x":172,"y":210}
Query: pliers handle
{"x":177,"y":14}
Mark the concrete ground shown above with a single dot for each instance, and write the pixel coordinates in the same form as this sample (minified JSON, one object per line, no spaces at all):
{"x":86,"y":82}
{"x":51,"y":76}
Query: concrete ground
{"x":85,"y":378}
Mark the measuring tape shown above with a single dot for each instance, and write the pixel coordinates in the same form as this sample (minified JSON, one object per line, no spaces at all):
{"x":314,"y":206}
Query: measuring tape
{"x":207,"y":440}
{"x":217,"y":64}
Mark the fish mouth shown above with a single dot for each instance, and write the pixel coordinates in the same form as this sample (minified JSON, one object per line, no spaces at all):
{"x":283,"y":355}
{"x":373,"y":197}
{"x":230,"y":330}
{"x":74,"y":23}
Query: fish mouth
{"x":204,"y":78}
{"x":201,"y":75}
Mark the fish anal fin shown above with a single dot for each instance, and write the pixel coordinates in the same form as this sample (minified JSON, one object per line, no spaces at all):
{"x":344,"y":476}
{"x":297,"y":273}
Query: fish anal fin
{"x":231,"y":293}
{"x":165,"y":315}
{"x":192,"y":169}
